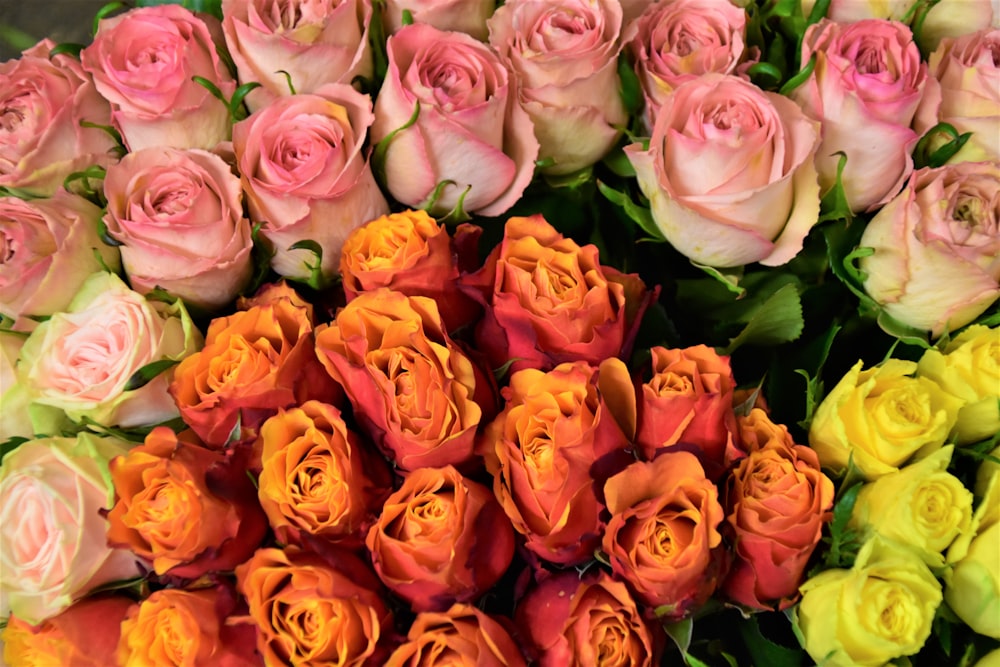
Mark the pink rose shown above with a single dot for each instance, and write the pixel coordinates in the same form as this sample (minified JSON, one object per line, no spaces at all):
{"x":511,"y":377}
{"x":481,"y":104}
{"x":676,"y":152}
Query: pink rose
{"x":729,"y":173}
{"x":468,"y":16}
{"x":47,"y":248}
{"x":865,"y":89}
{"x":306,"y":176}
{"x":675,"y":41}
{"x":143,"y":62}
{"x":471,"y":143}
{"x":315,"y":41}
{"x":179,"y":216}
{"x":42,"y":102}
{"x":564,"y":56}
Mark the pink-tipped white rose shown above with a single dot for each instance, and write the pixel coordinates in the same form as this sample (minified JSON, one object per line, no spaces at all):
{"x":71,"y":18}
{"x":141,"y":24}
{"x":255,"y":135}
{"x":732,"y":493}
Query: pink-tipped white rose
{"x":468,"y":16}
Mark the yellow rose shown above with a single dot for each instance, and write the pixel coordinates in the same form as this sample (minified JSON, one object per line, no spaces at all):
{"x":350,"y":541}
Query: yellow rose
{"x":921,"y":505}
{"x":991,"y":659}
{"x":878,"y":610}
{"x":881,"y":417}
{"x":969,"y":368}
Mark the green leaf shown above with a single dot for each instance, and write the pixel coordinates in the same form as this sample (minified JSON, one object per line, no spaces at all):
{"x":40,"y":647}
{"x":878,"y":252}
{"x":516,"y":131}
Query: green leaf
{"x":457,"y":214}
{"x":922,"y":155}
{"x":731,"y":281}
{"x":378,"y":155}
{"x":638,"y":214}
{"x":771,"y":73}
{"x":288,"y":81}
{"x":316,"y":280}
{"x":237,"y":431}
{"x":814,"y":383}
{"x":161,"y":295}
{"x":20,"y":193}
{"x":842,"y":542}
{"x":10,"y":444}
{"x":213,"y":7}
{"x":833,"y":204}
{"x":105,"y":235}
{"x":501,"y":372}
{"x":819,"y":11}
{"x":778,"y":320}
{"x":407,"y":18}
{"x":619,"y":163}
{"x":681,"y":633}
{"x":147,"y":373}
{"x":763,"y":651}
{"x":71,"y":49}
{"x":236,"y":109}
{"x":104,"y":11}
{"x":79,"y":182}
{"x":630,"y":89}
{"x":800,"y":77}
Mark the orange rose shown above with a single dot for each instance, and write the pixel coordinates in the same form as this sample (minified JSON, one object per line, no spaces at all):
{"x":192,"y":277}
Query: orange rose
{"x":757,"y":431}
{"x":412,"y":253}
{"x":548,"y":300}
{"x":187,"y":509}
{"x":414,"y":392}
{"x":189,"y":628}
{"x":663,"y":535}
{"x":689,"y":399}
{"x":254,"y":362}
{"x":318,"y":478}
{"x":311,"y":609}
{"x":85,"y":635}
{"x":441,"y":538}
{"x":462,"y":635}
{"x":550,"y":452}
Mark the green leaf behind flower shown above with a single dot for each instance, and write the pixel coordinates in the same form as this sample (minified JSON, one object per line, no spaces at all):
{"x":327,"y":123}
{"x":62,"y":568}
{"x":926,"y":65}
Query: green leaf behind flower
{"x":147,"y":373}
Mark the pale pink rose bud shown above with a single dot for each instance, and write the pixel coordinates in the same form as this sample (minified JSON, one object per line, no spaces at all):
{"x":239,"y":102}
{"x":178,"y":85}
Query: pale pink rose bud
{"x":468,"y":16}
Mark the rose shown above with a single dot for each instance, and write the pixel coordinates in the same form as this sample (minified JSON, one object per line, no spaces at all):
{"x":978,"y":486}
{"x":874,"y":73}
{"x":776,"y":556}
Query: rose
{"x":306,"y":176}
{"x":412,"y":253}
{"x":757,"y":431}
{"x":550,"y":452}
{"x":314,"y":609}
{"x":777,"y":502}
{"x":663,"y":536}
{"x":456,"y":15}
{"x":43,"y":103}
{"x":991,"y":659}
{"x":52,"y":547}
{"x":548,"y":300}
{"x":564,"y":57}
{"x":144,"y":60}
{"x":441,"y":538}
{"x":942,"y":229}
{"x":880,"y":609}
{"x":417,"y":395}
{"x":921,"y":505}
{"x":864,"y":89}
{"x":181,"y":627}
{"x":729,"y":173}
{"x":298,"y":45}
{"x":14,"y":399}
{"x":881,"y":417}
{"x":85,"y":361}
{"x":254,"y":362}
{"x":568,"y":619}
{"x":455,"y":137}
{"x":179,"y":217}
{"x":47,"y":248}
{"x":186,"y":509}
{"x":675,"y":41}
{"x":461,"y":633}
{"x":317,"y":477}
{"x":689,"y":399}
{"x":85,"y":635}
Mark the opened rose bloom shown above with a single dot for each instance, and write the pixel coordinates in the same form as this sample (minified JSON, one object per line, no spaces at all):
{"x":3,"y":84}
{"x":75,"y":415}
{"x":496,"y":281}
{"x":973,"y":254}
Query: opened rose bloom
{"x":318,"y":478}
{"x":564,"y":57}
{"x":549,"y":300}
{"x":143,"y":62}
{"x":441,"y":538}
{"x":314,"y":609}
{"x":416,"y":394}
{"x":663,"y":536}
{"x":550,"y":452}
{"x":296,"y":46}
{"x":573,"y":620}
{"x":186,"y":509}
{"x":47,"y":248}
{"x":455,"y":135}
{"x":52,"y":546}
{"x":729,"y":173}
{"x":306,"y":175}
{"x":462,"y":634}
{"x":456,"y":15}
{"x":43,"y":101}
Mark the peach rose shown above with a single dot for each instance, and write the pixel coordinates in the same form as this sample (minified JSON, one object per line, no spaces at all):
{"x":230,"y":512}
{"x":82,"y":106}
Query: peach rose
{"x":186,"y":509}
{"x":318,"y":478}
{"x":314,"y":41}
{"x":314,"y":609}
{"x":663,"y":536}
{"x":461,"y":633}
{"x":42,"y":104}
{"x":729,"y":173}
{"x":455,"y":15}
{"x":441,"y":539}
{"x":306,"y":175}
{"x":47,"y":248}
{"x":564,"y":57}
{"x":52,"y":546}
{"x":179,"y":217}
{"x":143,"y":62}
{"x":471,"y":145}
{"x":418,"y":396}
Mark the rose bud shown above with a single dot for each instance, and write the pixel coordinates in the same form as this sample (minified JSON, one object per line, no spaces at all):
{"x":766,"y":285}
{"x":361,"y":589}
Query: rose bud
{"x":468,"y":16}
{"x":463,"y":634}
{"x":441,"y":538}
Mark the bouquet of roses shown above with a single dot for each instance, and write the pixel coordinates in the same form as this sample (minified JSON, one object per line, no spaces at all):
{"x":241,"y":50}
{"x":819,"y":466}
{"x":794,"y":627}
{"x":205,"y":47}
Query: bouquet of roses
{"x":563,"y":332}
